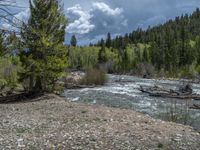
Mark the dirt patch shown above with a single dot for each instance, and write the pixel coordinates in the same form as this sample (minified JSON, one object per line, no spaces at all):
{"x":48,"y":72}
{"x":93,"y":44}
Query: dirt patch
{"x":52,"y":123}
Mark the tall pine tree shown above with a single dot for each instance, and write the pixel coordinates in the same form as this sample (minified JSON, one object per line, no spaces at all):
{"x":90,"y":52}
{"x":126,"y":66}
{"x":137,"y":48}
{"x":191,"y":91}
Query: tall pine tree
{"x":44,"y":55}
{"x":102,"y":52}
{"x":108,"y":40}
{"x":73,"y":41}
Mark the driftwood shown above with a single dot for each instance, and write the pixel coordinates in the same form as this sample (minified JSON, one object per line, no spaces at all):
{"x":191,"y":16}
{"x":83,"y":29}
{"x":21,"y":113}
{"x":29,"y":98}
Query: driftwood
{"x":169,"y":93}
{"x":195,"y":106}
{"x":125,"y":81}
{"x":77,"y":86}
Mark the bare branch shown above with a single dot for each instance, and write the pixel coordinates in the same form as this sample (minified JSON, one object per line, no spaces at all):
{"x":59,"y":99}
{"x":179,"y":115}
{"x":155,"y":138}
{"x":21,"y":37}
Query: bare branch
{"x":7,"y":16}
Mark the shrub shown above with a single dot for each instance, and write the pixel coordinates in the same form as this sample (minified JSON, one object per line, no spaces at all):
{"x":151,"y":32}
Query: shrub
{"x":145,"y":70}
{"x":94,"y":77}
{"x":188,"y":72}
{"x":160,"y":145}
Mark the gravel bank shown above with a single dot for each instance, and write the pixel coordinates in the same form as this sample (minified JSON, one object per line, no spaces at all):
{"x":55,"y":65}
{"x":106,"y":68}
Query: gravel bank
{"x":52,"y":123}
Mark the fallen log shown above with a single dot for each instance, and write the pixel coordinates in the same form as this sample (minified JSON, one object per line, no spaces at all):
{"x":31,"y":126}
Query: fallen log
{"x":195,"y":97}
{"x":159,"y":92}
{"x":74,"y":86}
{"x":195,"y":106}
{"x":124,"y":81}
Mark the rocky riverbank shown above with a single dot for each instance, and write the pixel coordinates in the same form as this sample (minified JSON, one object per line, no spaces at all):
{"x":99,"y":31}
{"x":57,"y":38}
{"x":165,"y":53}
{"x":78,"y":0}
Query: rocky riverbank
{"x":49,"y":122}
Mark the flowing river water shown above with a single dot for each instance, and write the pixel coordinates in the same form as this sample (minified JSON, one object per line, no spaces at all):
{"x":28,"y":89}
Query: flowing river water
{"x":123,"y":92}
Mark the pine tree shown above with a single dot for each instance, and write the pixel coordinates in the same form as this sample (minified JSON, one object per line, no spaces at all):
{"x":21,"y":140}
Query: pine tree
{"x":145,"y":55}
{"x":197,"y":47}
{"x":73,"y":41}
{"x":44,"y":55}
{"x":108,"y":40}
{"x":91,"y":44}
{"x":102,"y":52}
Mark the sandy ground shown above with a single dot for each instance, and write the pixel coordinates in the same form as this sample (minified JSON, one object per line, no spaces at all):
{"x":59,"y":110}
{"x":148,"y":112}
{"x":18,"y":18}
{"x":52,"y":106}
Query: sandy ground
{"x":49,"y":122}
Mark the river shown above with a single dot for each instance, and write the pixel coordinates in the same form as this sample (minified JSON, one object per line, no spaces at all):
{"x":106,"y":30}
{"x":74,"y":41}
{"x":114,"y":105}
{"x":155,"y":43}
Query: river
{"x":123,"y":92}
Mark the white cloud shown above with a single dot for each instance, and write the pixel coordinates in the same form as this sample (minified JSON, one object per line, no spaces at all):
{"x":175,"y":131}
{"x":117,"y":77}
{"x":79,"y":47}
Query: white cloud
{"x":106,"y":9}
{"x":107,"y":19}
{"x":99,"y":19}
{"x":82,"y":24}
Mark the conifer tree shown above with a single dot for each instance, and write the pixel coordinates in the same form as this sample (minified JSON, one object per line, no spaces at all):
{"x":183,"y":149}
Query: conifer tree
{"x":145,"y":55}
{"x":197,"y":47}
{"x":108,"y":40}
{"x":73,"y":41}
{"x":102,"y":52}
{"x":44,"y":55}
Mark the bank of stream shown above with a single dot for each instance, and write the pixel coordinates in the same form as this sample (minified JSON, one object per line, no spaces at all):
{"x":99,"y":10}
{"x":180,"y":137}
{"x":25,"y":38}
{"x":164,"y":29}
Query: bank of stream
{"x":123,"y":92}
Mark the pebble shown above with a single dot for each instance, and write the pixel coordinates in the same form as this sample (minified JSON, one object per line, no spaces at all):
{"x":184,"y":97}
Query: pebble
{"x":177,"y":139}
{"x":135,"y":132}
{"x":20,"y":143}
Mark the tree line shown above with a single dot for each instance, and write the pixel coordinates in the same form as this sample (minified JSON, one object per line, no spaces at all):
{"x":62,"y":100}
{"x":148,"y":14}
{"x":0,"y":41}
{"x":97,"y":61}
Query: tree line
{"x":173,"y":47}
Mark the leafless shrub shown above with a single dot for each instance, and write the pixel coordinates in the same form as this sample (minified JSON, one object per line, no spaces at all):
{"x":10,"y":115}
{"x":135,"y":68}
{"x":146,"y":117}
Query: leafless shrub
{"x":94,"y":77}
{"x":145,"y":70}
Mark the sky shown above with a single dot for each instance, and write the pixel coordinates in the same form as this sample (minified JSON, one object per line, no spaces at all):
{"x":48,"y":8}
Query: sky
{"x":91,"y":20}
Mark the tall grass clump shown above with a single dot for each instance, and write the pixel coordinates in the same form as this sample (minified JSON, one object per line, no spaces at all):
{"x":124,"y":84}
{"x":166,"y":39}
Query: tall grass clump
{"x":94,"y":77}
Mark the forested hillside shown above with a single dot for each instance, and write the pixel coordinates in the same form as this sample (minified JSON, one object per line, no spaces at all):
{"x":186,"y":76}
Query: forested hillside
{"x":172,"y":48}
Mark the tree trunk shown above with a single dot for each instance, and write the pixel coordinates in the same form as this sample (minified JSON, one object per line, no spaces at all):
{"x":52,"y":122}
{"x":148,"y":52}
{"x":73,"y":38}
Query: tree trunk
{"x":38,"y":84}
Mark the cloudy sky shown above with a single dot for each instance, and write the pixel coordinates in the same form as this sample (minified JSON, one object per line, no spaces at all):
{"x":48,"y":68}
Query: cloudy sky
{"x":91,"y":20}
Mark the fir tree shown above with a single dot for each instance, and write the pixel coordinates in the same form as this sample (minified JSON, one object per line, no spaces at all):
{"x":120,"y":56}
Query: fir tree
{"x":44,"y":55}
{"x":145,"y":55}
{"x":108,"y":40}
{"x":73,"y":41}
{"x":102,"y":52}
{"x":197,"y":47}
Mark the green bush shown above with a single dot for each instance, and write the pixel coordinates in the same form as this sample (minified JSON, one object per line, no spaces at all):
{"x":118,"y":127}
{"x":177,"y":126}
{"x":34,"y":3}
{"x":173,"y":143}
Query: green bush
{"x":94,"y":77}
{"x":198,"y":69}
{"x":188,"y":72}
